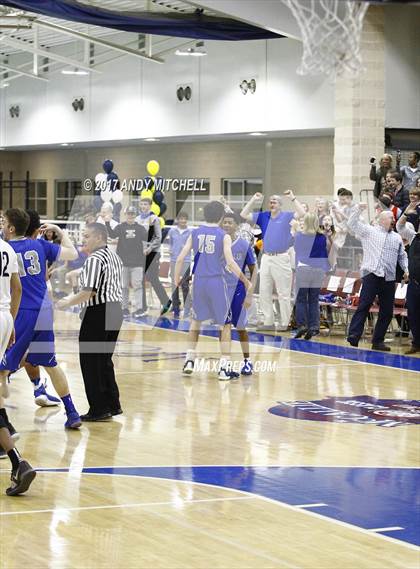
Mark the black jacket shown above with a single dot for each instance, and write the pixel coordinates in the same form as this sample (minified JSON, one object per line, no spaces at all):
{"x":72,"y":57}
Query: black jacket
{"x":376,"y":175}
{"x":414,"y":259}
{"x":130,"y":243}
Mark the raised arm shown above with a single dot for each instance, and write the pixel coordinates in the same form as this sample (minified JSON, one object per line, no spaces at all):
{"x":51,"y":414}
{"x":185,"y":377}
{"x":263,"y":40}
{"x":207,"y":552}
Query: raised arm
{"x":354,"y":223}
{"x":246,"y":213}
{"x":406,"y":230}
{"x":68,"y":251}
{"x":372,"y":173}
{"x":300,"y":212}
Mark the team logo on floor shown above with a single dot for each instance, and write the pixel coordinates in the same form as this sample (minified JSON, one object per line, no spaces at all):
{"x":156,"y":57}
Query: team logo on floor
{"x":360,"y":409}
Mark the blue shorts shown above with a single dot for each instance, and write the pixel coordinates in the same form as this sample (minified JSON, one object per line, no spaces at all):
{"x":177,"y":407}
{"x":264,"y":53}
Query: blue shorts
{"x":210,"y":300}
{"x":239,"y":312}
{"x":34,"y":337}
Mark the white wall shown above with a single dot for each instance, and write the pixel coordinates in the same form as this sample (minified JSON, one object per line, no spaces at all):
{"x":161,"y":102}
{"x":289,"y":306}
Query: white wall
{"x":133,"y":99}
{"x":402,"y":67}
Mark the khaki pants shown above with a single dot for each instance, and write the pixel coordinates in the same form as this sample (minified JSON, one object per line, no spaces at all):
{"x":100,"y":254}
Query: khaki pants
{"x":132,"y":276}
{"x":276,"y":270}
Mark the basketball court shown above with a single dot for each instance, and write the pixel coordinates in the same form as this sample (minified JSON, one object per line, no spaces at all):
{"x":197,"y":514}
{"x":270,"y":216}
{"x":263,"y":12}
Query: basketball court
{"x":310,"y":463}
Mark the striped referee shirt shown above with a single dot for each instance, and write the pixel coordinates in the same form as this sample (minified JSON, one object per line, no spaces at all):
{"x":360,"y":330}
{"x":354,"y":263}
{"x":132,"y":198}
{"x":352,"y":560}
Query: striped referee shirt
{"x":102,"y":273}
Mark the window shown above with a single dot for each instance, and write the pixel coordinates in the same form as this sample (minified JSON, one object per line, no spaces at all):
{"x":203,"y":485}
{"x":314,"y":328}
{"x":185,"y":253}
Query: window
{"x":38,"y":196}
{"x":66,"y":192}
{"x":193,"y":203}
{"x":238,"y":191}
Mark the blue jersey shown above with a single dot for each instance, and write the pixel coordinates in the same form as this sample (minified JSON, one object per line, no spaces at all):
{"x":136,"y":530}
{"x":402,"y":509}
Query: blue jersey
{"x":33,"y":255}
{"x":207,"y":244}
{"x":244,"y":255}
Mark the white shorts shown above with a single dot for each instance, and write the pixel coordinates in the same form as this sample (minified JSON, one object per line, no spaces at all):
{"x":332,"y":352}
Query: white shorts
{"x":6,"y":327}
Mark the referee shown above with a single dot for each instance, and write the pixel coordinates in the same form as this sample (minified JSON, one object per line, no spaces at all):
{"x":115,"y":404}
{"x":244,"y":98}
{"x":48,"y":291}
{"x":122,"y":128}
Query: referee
{"x":100,"y":296}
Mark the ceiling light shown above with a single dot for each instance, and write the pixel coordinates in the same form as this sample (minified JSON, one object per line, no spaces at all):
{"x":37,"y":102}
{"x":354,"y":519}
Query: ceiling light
{"x":74,"y":71}
{"x":4,"y":85}
{"x":151,"y":139}
{"x":197,"y":51}
{"x":256,"y":133}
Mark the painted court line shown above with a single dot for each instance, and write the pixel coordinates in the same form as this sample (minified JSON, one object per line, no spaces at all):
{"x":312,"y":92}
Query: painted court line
{"x":394,"y":528}
{"x":292,"y":345}
{"x":310,"y":505}
{"x":114,"y":506}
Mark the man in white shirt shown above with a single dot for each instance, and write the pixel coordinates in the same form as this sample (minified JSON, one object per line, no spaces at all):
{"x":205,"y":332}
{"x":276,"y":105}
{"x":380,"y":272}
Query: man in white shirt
{"x":10,"y":294}
{"x":103,"y":217}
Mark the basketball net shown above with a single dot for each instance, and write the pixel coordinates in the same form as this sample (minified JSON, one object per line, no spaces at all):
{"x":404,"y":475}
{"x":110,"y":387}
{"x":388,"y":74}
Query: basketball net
{"x":331,"y":31}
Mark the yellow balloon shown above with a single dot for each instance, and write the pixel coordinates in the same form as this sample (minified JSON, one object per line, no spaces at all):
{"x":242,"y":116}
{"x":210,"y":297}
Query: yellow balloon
{"x":155,"y":208}
{"x":153,"y":167}
{"x":147,"y":194}
{"x":162,"y":221}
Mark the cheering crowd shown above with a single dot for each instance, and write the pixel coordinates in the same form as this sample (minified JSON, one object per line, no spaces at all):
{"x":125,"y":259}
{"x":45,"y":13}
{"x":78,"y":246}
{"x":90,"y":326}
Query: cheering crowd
{"x":230,"y":269}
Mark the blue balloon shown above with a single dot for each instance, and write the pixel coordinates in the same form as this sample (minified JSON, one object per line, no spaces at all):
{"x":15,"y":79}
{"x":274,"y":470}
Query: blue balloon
{"x":115,"y":182}
{"x":108,"y":166}
{"x":158,"y":197}
{"x":163,"y":208}
{"x":149,"y":183}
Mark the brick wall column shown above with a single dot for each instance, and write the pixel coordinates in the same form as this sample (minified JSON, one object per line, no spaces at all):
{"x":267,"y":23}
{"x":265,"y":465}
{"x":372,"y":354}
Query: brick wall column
{"x":360,"y":110}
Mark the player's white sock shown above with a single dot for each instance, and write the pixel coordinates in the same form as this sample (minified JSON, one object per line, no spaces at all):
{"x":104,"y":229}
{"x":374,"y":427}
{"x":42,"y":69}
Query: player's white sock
{"x":190,"y":355}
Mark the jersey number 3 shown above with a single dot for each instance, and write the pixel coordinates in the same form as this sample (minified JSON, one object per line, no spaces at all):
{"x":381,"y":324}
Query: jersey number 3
{"x":206,"y":243}
{"x":34,"y":267}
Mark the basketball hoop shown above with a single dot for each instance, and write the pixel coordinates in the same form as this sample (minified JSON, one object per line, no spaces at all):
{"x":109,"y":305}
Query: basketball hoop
{"x":331,"y":31}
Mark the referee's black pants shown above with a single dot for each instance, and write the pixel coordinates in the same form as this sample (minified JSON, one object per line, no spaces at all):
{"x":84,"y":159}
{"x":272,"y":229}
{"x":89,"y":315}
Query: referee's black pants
{"x":97,"y":339}
{"x":385,"y":291}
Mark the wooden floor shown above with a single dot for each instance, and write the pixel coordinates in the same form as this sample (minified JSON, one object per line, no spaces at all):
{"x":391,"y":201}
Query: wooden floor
{"x":210,"y":498}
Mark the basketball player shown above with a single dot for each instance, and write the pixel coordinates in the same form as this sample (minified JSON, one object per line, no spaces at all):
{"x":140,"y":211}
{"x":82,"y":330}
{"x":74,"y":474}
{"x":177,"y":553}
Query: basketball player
{"x":212,"y":249}
{"x":238,"y":297}
{"x":10,"y":296}
{"x":34,"y":321}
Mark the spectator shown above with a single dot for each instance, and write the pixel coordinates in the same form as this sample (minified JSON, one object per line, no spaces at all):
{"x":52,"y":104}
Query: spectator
{"x":340,"y":211}
{"x":322,"y":208}
{"x":379,"y":176}
{"x":328,"y":229}
{"x":382,"y":249}
{"x":414,"y":196}
{"x":275,"y":264}
{"x":311,"y":266}
{"x":131,"y":238}
{"x":411,"y":173}
{"x":407,"y":231}
{"x":400,"y":196}
{"x":151,"y":223}
{"x":106,"y":212}
{"x":385,"y":204}
{"x":177,"y":238}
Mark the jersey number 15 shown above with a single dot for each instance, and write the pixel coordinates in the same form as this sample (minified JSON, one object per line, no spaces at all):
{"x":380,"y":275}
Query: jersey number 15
{"x":206,"y":243}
